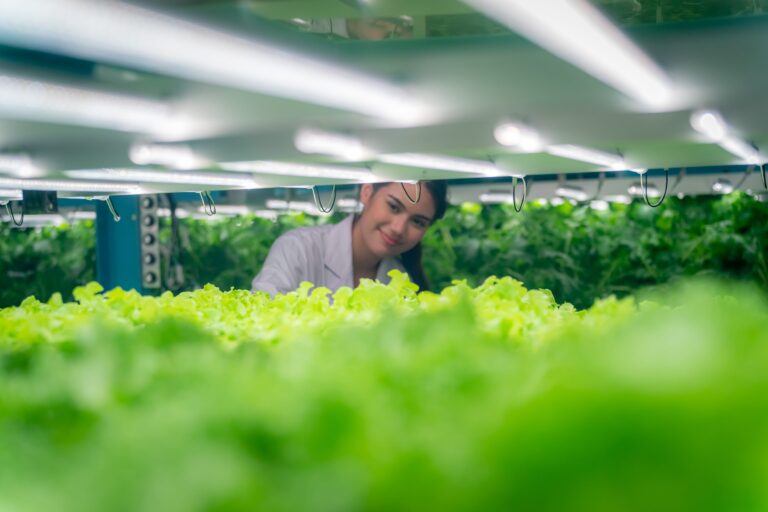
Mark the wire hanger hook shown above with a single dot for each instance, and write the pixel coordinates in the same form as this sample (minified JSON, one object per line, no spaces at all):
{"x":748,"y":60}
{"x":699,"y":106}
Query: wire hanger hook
{"x":319,"y":203}
{"x":644,"y":183}
{"x":208,"y":205}
{"x":112,"y":210}
{"x":418,"y":192}
{"x":9,"y":209}
{"x":517,"y":208}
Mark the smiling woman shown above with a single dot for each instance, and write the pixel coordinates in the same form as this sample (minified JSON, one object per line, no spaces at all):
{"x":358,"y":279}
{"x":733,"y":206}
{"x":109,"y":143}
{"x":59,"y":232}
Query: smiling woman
{"x":385,"y":236}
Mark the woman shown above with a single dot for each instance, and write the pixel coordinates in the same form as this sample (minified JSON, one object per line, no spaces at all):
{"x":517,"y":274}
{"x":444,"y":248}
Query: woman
{"x":385,"y":236}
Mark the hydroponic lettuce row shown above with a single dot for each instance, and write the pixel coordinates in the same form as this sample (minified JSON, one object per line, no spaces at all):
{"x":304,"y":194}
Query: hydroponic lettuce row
{"x":491,"y":398}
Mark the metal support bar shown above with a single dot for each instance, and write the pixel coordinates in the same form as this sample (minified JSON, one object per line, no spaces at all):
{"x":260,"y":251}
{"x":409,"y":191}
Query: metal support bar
{"x":118,"y":246}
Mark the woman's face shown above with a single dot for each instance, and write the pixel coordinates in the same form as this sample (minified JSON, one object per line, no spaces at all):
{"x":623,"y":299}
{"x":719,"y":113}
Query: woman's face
{"x":390,"y":224}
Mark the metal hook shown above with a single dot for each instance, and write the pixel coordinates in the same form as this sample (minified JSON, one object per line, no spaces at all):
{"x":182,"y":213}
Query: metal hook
{"x":209,"y":207}
{"x":319,"y":203}
{"x":418,"y":192}
{"x":518,"y":209}
{"x":600,"y":184}
{"x":112,"y":210}
{"x":16,"y":222}
{"x":644,"y":183}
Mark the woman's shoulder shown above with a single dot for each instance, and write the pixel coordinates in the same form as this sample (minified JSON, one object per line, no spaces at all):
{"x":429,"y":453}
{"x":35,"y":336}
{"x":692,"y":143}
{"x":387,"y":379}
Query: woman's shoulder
{"x":309,"y":240}
{"x":307,"y":233}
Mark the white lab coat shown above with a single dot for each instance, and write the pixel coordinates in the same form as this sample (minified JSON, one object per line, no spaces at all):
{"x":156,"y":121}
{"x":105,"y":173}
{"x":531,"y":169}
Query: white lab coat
{"x":321,"y":255}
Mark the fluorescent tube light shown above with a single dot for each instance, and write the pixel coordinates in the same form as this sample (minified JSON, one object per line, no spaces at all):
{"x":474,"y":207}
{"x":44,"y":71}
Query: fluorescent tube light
{"x":277,"y":204}
{"x":636,"y":190}
{"x":180,"y":213}
{"x":349,"y":204}
{"x":611,"y":161}
{"x":496,"y":197}
{"x":346,"y":147}
{"x":136,"y":37}
{"x":444,"y":163}
{"x":81,"y":215}
{"x":577,"y":32}
{"x":70,"y":186}
{"x":599,"y":204}
{"x":619,"y":198}
{"x":19,"y":165}
{"x":294,"y":206}
{"x":572,"y":192}
{"x":35,"y":100}
{"x":302,"y":170}
{"x":722,"y":186}
{"x":711,"y":124}
{"x":228,"y":209}
{"x":13,"y":194}
{"x":518,"y":136}
{"x":175,"y":156}
{"x":169,"y":177}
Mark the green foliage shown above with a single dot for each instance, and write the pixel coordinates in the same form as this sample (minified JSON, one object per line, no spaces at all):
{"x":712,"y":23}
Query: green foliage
{"x":493,"y":398}
{"x":582,"y":254}
{"x":229,"y":251}
{"x":45,"y":260}
{"x":578,"y":253}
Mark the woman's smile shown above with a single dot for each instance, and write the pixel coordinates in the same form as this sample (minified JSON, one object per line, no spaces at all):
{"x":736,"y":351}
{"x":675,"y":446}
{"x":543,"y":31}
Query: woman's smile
{"x":388,"y":240}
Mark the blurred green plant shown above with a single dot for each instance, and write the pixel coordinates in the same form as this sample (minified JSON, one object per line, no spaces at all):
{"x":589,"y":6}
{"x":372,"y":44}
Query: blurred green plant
{"x":488,"y":399}
{"x":41,"y":261}
{"x":582,"y":254}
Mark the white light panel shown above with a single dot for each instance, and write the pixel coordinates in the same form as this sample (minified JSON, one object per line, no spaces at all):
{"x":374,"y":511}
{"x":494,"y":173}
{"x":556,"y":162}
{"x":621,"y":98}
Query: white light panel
{"x":444,"y":163}
{"x":169,"y":177}
{"x":70,"y":186}
{"x":120,"y":33}
{"x":302,"y":170}
{"x":22,"y":98}
{"x":577,"y":32}
{"x":582,"y":154}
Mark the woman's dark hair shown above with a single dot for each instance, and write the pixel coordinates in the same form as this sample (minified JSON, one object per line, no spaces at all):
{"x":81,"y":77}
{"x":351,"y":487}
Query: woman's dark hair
{"x":411,"y":259}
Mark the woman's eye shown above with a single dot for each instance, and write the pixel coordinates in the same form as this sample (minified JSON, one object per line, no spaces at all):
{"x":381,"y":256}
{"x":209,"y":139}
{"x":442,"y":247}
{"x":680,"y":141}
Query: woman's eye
{"x":419,"y":223}
{"x":393,"y":207}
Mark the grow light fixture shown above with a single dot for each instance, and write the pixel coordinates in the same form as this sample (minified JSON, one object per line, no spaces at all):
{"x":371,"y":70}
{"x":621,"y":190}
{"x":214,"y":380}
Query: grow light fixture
{"x":349,"y":204}
{"x":228,"y":209}
{"x":620,"y":198}
{"x":180,"y":213}
{"x":572,"y":192}
{"x":81,"y":215}
{"x":345,"y":147}
{"x":10,"y":194}
{"x":35,"y":100}
{"x":302,"y":170}
{"x":136,"y":37}
{"x":518,"y":136}
{"x":608,"y":160}
{"x":497,"y":198}
{"x":293,"y":206}
{"x":166,"y":177}
{"x":444,"y":163}
{"x":711,"y":124}
{"x":636,"y":190}
{"x":577,"y":32}
{"x":19,"y":165}
{"x":722,"y":186}
{"x":599,"y":205}
{"x":174,"y":156}
{"x":70,"y":186}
